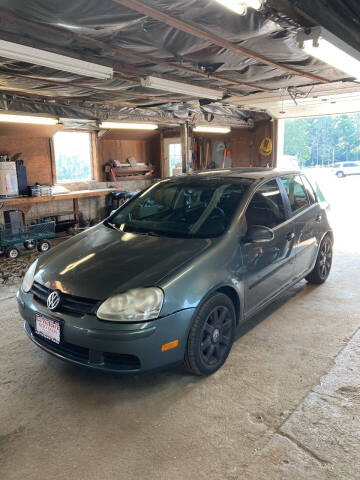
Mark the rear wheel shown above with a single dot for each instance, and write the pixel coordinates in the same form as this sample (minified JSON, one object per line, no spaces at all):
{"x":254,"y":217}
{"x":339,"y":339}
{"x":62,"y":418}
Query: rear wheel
{"x":43,"y":245}
{"x":322,"y":268}
{"x":211,"y":336}
{"x":12,"y":252}
{"x":30,"y":244}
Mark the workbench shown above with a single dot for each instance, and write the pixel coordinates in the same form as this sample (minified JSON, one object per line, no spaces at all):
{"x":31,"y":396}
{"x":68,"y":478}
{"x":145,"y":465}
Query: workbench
{"x":25,"y":203}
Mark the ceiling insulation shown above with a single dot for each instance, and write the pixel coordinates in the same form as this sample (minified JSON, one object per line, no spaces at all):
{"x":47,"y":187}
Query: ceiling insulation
{"x":241,"y":56}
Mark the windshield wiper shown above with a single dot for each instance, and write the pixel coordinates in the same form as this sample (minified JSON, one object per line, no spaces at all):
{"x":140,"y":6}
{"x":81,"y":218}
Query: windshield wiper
{"x":150,"y":234}
{"x":143,"y":232}
{"x":110,"y":225}
{"x":132,"y":230}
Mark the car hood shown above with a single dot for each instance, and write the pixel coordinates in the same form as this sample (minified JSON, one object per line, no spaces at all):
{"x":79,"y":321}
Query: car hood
{"x":102,"y":261}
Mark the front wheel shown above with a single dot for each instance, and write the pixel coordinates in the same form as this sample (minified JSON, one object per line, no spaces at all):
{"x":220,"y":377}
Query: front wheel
{"x":340,"y":174}
{"x":211,"y":335}
{"x":12,"y":252}
{"x":322,"y":268}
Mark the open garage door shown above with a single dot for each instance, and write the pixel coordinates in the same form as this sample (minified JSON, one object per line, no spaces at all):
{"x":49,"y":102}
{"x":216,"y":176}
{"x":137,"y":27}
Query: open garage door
{"x":327,"y":148}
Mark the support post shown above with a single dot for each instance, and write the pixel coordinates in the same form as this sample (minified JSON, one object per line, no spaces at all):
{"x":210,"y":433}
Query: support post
{"x":185,"y":147}
{"x":76,"y":209}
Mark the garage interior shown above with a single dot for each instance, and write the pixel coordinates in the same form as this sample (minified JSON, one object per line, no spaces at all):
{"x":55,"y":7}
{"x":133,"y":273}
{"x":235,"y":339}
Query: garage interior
{"x":192,"y":85}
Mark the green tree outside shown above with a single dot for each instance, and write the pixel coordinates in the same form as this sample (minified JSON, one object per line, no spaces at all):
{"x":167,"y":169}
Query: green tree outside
{"x":323,"y":141}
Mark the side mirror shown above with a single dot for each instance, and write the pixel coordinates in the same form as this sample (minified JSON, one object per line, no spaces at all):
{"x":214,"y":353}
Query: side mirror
{"x":258,"y":234}
{"x":112,"y":212}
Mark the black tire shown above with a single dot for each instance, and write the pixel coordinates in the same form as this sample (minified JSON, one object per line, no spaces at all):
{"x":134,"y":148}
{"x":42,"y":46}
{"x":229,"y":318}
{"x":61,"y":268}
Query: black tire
{"x":12,"y":252}
{"x":30,"y":244}
{"x":322,"y":268}
{"x":211,"y":335}
{"x":43,"y":245}
{"x":340,"y":174}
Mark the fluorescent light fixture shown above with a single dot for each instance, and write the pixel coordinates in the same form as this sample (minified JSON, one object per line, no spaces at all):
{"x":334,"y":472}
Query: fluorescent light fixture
{"x":4,"y":117}
{"x":53,"y":60}
{"x":329,"y":48}
{"x":184,"y":88}
{"x":206,"y":129}
{"x":240,"y":6}
{"x":129,"y":126}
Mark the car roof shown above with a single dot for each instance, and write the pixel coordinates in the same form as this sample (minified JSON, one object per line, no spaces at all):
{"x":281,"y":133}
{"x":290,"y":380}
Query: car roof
{"x":254,"y":173}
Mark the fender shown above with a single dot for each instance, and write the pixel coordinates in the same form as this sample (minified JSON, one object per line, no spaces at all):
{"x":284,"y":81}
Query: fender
{"x":329,"y":232}
{"x":237,"y":295}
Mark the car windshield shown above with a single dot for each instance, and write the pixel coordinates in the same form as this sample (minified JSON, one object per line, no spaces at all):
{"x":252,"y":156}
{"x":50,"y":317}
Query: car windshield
{"x":199,"y":209}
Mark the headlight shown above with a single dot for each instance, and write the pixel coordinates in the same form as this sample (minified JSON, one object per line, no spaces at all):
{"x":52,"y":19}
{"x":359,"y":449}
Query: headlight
{"x":29,"y":277}
{"x":133,"y":306}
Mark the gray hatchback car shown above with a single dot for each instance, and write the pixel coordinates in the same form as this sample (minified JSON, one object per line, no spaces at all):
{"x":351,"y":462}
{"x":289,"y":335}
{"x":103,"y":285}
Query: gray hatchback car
{"x":170,"y":275}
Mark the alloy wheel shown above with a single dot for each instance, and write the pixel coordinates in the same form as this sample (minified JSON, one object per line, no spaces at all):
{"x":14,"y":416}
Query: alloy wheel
{"x":216,"y":336}
{"x":325,"y":259}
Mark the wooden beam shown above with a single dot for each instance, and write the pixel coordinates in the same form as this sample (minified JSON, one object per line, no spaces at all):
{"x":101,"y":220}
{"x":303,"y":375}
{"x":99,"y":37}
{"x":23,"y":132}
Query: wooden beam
{"x":162,"y":155}
{"x":85,"y":40}
{"x":184,"y":129}
{"x":211,"y":37}
{"x":275,"y":137}
{"x":76,"y":209}
{"x":96,"y":166}
{"x":52,"y":160}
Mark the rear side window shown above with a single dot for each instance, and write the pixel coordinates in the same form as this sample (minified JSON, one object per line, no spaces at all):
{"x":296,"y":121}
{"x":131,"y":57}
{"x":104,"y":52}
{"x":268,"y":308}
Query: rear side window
{"x":309,"y":189}
{"x":266,"y":207}
{"x":319,"y":194}
{"x":296,"y":192}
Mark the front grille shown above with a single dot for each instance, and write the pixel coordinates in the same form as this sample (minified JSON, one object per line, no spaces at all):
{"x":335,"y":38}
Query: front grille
{"x":116,"y":361}
{"x":76,"y":306}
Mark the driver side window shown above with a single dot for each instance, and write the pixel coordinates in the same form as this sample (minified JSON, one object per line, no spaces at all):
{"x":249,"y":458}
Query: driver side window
{"x":266,"y":207}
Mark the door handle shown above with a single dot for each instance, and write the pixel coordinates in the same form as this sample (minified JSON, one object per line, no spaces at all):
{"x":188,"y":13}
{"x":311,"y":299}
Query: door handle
{"x":290,"y":236}
{"x":318,"y":219}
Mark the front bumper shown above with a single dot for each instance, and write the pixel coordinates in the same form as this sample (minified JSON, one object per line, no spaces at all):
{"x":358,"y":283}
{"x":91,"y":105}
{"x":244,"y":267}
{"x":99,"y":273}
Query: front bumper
{"x":126,"y":348}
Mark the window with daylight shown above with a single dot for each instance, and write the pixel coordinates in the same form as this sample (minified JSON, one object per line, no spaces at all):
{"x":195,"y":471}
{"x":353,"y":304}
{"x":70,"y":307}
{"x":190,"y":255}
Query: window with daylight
{"x":175,"y":159}
{"x":73,"y":156}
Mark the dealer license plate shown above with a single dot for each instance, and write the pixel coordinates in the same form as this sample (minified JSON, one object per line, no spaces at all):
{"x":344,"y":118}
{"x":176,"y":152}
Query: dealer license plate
{"x":47,"y":328}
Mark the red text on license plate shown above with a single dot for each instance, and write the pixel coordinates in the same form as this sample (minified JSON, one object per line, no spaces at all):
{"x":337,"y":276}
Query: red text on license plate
{"x":47,"y":328}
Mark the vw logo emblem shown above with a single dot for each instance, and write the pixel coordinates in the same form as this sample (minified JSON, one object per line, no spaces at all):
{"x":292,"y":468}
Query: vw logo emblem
{"x":53,"y":300}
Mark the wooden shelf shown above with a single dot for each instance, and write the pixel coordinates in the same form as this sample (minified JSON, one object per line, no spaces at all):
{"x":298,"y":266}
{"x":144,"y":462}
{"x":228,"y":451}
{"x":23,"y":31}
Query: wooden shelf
{"x":124,"y":174}
{"x":13,"y":201}
{"x":25,"y":203}
{"x":120,"y":171}
{"x":134,"y":177}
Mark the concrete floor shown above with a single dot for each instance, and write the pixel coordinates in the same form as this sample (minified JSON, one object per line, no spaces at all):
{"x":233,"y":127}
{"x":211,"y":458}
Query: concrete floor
{"x":284,"y":406}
